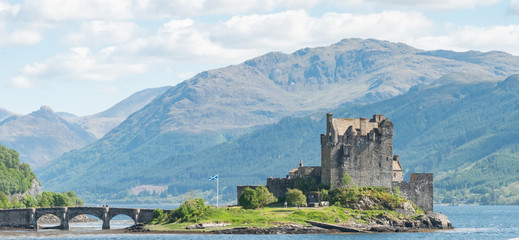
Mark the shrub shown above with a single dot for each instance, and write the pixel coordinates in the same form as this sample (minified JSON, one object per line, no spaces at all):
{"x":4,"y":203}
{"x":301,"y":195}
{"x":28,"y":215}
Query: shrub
{"x":249,"y":199}
{"x":190,"y":210}
{"x":264,"y":196}
{"x":29,"y":201}
{"x":295,"y":197}
{"x":346,"y":180}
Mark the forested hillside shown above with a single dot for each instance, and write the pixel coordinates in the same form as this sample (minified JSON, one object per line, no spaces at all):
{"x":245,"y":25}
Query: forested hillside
{"x":195,"y":128}
{"x":14,"y":177}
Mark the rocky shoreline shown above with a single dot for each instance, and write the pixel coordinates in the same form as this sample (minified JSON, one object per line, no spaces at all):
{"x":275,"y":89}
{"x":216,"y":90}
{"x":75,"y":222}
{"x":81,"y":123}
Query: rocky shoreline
{"x":431,"y":221}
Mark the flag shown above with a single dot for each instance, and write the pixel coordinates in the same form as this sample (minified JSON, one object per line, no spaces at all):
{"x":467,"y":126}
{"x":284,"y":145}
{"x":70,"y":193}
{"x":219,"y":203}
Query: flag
{"x":215,"y":177}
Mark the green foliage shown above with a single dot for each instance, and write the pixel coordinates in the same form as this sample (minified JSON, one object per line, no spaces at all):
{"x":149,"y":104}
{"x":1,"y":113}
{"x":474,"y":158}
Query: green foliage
{"x":4,"y":201}
{"x":264,"y":196}
{"x":249,"y":199}
{"x":158,"y":215}
{"x":350,"y":197}
{"x":52,"y":199}
{"x":295,"y":197}
{"x":256,"y":198}
{"x":267,"y":217}
{"x":14,"y":177}
{"x":308,"y":184}
{"x":29,"y":201}
{"x":346,"y":180}
{"x":190,"y":211}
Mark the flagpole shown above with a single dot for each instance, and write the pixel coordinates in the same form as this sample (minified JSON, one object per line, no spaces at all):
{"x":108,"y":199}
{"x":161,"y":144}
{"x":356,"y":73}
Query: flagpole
{"x":217,"y":180}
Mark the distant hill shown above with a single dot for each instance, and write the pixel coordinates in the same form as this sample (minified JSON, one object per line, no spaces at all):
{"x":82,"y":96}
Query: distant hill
{"x":101,"y":123}
{"x":4,"y":113}
{"x":190,"y":126}
{"x":42,"y":136}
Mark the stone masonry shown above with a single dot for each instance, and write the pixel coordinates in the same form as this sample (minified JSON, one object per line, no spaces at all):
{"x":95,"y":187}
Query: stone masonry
{"x":363,"y":149}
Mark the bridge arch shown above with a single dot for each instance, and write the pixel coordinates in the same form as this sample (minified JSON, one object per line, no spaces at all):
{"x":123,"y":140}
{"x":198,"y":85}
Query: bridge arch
{"x":133,"y":213}
{"x":59,"y":212}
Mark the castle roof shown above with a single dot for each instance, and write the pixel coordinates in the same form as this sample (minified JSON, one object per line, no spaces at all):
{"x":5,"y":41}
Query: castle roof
{"x":342,"y":124}
{"x":397,"y":166}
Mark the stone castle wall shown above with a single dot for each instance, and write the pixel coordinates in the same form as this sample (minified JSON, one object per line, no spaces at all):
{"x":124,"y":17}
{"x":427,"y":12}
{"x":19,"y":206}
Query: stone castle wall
{"x":365,"y":156}
{"x":418,"y":190}
{"x":279,"y":186}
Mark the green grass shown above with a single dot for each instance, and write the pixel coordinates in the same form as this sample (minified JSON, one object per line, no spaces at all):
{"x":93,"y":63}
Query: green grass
{"x":270,"y":217}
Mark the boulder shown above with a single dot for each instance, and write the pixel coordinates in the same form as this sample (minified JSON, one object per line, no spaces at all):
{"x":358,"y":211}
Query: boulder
{"x":439,"y":221}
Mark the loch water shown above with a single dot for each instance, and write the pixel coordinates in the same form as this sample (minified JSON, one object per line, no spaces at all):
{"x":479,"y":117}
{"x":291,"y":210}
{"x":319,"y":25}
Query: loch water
{"x":470,"y":222}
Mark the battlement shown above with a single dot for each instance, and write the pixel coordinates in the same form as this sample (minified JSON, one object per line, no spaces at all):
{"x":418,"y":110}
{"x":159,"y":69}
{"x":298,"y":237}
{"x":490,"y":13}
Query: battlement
{"x":360,"y":126}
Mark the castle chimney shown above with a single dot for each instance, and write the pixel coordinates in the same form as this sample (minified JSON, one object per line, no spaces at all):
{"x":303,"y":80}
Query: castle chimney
{"x":363,"y":126}
{"x":378,"y":118}
{"x":396,"y":158}
{"x":329,"y":123}
{"x":301,"y":164}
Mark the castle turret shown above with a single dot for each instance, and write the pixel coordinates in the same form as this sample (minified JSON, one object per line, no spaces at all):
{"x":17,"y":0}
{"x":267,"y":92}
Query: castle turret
{"x":361,"y":148}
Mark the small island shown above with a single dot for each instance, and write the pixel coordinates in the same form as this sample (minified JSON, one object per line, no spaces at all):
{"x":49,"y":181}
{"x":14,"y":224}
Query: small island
{"x":359,"y":187}
{"x":361,"y":209}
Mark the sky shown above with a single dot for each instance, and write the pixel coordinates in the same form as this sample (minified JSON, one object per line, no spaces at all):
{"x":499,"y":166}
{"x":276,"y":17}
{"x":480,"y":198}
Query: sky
{"x":84,"y":56}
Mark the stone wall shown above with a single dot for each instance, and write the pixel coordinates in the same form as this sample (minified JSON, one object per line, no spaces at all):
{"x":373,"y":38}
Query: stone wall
{"x":367,"y":157}
{"x":279,"y":186}
{"x":418,"y":190}
{"x":17,"y":218}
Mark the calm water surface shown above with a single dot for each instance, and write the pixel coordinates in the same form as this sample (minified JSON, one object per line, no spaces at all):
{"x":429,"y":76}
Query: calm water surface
{"x":470,"y":222}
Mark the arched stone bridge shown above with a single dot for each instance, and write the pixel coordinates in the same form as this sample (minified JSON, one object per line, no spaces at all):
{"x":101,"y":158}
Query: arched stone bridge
{"x":28,"y":217}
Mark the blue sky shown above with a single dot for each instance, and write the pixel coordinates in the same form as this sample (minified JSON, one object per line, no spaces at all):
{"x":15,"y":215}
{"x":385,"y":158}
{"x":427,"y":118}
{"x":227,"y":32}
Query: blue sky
{"x":83,"y":56}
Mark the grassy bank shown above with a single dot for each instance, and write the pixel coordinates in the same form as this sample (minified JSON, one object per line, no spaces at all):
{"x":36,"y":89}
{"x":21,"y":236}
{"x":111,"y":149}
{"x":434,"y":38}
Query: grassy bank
{"x":349,"y":205}
{"x":270,"y":217}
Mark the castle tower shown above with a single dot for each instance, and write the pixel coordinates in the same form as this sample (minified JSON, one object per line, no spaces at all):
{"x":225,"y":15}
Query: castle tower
{"x":361,"y":148}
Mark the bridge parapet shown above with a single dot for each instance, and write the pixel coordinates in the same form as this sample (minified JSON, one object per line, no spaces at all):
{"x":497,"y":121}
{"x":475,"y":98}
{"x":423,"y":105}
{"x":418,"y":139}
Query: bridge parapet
{"x":28,"y":217}
{"x":17,"y":218}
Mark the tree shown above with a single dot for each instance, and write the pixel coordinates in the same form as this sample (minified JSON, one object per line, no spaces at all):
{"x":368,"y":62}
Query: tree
{"x":4,"y":202}
{"x":29,"y":201}
{"x":346,"y":180}
{"x":249,"y":199}
{"x":295,"y":197}
{"x":60,"y":200}
{"x":264,"y":196}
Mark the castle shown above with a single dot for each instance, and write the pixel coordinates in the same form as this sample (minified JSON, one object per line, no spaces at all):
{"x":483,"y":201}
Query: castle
{"x":363,"y":150}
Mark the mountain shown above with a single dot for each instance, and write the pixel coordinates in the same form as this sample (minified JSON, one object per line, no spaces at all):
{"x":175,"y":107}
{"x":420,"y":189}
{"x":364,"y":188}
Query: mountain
{"x":4,"y":113}
{"x":45,"y":135}
{"x":101,"y":123}
{"x":215,"y":107}
{"x":42,"y":136}
{"x":463,"y":132}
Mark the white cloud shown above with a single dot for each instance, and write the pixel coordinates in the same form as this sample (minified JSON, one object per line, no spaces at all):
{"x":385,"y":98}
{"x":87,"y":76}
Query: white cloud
{"x":513,"y":7}
{"x":436,"y":4}
{"x":63,"y":10}
{"x":464,"y":38}
{"x":82,"y":64}
{"x":102,"y":32}
{"x":186,"y":42}
{"x":21,"y":82}
{"x":291,"y":30}
{"x":20,"y":37}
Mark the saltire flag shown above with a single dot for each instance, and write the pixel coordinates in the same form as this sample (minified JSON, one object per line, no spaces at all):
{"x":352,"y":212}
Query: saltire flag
{"x":215,"y":177}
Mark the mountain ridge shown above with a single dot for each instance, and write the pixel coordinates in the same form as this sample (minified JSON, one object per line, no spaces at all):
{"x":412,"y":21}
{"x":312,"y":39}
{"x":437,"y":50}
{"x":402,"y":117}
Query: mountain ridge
{"x":208,"y":109}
